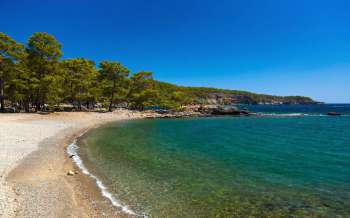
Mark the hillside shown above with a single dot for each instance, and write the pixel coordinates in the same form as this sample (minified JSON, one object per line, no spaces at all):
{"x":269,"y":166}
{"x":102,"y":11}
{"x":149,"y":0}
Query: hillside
{"x":204,"y":95}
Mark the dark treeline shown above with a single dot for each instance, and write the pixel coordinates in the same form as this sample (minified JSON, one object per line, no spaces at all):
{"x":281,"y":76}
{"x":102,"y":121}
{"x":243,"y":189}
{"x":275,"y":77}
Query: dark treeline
{"x":33,"y":77}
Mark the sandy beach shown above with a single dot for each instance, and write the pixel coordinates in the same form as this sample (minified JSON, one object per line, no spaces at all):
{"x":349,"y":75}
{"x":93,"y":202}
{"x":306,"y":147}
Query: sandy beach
{"x":34,"y":166}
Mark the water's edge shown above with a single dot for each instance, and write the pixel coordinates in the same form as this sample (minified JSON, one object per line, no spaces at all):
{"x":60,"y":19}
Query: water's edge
{"x":72,"y":151}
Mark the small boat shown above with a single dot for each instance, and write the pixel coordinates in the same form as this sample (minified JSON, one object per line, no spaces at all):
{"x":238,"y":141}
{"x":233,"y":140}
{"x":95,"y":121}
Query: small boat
{"x":333,"y":114}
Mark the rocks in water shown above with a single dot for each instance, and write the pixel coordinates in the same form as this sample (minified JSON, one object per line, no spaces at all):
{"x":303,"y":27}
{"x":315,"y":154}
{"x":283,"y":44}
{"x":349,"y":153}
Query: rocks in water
{"x":224,"y":110}
{"x":173,"y":114}
{"x":245,"y":112}
{"x":198,"y":111}
{"x":71,"y":156}
{"x":333,"y":113}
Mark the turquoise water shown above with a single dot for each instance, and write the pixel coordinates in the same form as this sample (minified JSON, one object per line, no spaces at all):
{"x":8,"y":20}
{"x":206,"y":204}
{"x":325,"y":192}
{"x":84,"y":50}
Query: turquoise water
{"x":226,"y":166}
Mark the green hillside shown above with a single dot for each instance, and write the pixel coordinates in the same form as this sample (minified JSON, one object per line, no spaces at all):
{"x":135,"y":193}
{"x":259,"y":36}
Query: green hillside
{"x":205,"y":95}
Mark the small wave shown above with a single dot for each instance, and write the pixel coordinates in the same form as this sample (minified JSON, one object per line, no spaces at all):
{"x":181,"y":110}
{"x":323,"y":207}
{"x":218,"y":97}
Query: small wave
{"x":296,"y":115}
{"x":282,"y":115}
{"x":341,"y":106}
{"x":72,"y":150}
{"x":326,"y":115}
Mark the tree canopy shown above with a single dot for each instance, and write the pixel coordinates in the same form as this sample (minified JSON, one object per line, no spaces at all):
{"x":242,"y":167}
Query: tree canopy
{"x":114,"y":81}
{"x":10,"y":53}
{"x":44,"y":53}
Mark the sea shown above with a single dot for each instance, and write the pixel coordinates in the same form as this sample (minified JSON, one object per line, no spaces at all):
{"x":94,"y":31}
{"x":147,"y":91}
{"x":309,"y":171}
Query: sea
{"x":287,"y":161}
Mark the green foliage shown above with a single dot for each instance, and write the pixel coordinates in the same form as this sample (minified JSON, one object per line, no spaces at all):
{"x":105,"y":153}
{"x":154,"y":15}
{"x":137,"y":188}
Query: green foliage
{"x":202,"y":95}
{"x":143,"y":92}
{"x":80,"y":83}
{"x":10,"y":53}
{"x":44,"y":52}
{"x":114,"y":81}
{"x":9,"y":48}
{"x":44,"y":47}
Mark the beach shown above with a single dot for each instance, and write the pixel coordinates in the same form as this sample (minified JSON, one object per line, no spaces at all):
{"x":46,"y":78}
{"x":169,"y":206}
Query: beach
{"x":34,"y":165}
{"x":197,"y":167}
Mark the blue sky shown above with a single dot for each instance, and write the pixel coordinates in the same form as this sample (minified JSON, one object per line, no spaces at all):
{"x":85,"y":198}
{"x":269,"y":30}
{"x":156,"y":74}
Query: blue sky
{"x":291,"y":47}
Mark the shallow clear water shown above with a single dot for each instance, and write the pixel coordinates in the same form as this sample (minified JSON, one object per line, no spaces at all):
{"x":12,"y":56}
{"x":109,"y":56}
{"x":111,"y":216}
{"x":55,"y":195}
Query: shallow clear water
{"x":226,"y":166}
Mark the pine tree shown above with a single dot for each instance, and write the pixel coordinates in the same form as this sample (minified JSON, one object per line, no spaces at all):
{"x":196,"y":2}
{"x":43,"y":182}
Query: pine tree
{"x":143,"y":92}
{"x":80,"y":77}
{"x":44,"y":53}
{"x":10,"y":53}
{"x":114,"y":81}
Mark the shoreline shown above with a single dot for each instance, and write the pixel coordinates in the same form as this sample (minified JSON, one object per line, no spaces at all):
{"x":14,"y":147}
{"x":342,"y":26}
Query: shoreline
{"x":37,"y":184}
{"x":72,"y":151}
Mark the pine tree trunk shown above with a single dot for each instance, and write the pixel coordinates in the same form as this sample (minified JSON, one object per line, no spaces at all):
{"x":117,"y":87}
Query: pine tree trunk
{"x":26,"y":106}
{"x":71,"y":94}
{"x":111,"y":104}
{"x":37,"y":102}
{"x":2,"y":98}
{"x":112,"y":96}
{"x":37,"y":106}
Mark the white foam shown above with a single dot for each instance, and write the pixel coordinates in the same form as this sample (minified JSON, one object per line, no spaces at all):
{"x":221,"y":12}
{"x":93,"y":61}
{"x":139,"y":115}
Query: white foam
{"x":72,"y":150}
{"x":296,"y":115}
{"x":283,"y":115}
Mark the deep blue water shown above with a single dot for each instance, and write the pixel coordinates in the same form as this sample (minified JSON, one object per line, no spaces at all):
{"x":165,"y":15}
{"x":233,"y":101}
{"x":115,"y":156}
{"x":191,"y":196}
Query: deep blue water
{"x":274,"y":166}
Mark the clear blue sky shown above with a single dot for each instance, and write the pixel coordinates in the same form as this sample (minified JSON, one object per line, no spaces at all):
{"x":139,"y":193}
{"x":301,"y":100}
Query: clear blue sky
{"x":282,"y":47}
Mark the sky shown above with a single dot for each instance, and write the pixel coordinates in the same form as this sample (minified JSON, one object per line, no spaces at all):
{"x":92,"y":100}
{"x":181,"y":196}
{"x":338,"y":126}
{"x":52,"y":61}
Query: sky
{"x":289,"y":47}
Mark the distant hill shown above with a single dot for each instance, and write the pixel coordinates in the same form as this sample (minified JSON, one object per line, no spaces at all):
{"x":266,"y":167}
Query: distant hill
{"x":205,"y":95}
